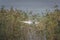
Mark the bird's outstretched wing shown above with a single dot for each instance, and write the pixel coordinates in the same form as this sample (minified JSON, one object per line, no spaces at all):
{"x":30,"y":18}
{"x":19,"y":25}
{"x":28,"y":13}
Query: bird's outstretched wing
{"x":28,"y":22}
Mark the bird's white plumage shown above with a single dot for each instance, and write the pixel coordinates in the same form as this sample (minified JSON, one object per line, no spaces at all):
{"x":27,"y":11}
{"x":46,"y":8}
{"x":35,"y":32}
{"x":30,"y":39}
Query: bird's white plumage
{"x":29,"y":22}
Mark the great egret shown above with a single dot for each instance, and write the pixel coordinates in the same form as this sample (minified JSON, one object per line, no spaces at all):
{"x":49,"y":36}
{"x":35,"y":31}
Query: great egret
{"x":30,"y":22}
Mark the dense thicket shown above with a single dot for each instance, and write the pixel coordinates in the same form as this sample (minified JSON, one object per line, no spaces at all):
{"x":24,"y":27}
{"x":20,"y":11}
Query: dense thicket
{"x":12,"y":29}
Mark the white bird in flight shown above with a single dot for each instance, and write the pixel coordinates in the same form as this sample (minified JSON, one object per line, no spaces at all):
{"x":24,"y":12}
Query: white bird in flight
{"x":29,"y":22}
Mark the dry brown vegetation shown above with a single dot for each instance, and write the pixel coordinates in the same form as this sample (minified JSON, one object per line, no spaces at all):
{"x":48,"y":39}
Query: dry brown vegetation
{"x":12,"y":29}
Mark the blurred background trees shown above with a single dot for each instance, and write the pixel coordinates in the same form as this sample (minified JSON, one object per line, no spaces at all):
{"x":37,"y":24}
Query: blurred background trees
{"x":12,"y":29}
